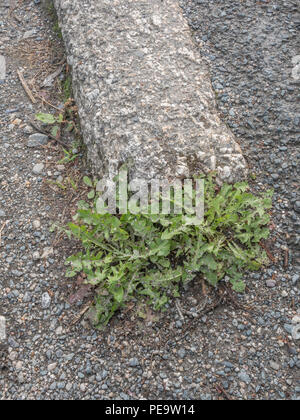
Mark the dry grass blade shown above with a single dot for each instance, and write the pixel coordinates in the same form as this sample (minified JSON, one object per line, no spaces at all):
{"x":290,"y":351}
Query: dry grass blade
{"x":50,"y":79}
{"x":179,"y":309}
{"x":26,"y":88}
{"x":1,"y":230}
{"x":78,"y":318}
{"x":48,"y":103}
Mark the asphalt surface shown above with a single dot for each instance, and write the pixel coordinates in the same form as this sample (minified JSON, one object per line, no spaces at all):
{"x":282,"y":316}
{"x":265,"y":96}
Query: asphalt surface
{"x":247,"y":347}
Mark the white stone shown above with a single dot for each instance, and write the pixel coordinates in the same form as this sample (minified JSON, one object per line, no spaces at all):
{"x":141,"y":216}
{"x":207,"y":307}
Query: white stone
{"x":52,"y":367}
{"x":296,"y":332}
{"x":59,"y":331}
{"x":28,"y":129}
{"x":19,"y":365}
{"x":38,"y":168}
{"x":13,"y":355}
{"x":2,"y":67}
{"x":2,"y":328}
{"x":46,"y":300}
{"x":36,"y":256}
{"x":29,"y":34}
{"x":36,"y":224}
{"x":47,"y":252}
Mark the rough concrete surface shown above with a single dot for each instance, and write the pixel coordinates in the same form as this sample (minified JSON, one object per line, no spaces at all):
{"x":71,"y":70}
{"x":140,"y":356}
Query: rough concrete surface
{"x":144,"y":94}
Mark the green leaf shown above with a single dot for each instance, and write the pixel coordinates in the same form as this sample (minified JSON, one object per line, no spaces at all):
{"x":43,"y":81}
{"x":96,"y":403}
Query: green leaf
{"x":210,"y":262}
{"x":76,"y":230}
{"x":83,"y":205}
{"x":91,"y":194}
{"x":238,"y":287}
{"x":70,"y":274}
{"x":55,"y":131}
{"x":119,"y":294}
{"x":87,"y":181}
{"x":169,"y":234}
{"x":60,"y":118}
{"x":53,"y":228}
{"x":46,"y":118}
{"x":211,"y":277}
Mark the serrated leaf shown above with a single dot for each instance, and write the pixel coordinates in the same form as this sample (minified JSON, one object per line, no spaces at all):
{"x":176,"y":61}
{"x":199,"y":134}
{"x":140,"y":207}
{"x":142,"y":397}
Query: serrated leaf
{"x":118,"y":294}
{"x":210,"y":262}
{"x":70,"y":274}
{"x":238,"y":287}
{"x":130,"y":256}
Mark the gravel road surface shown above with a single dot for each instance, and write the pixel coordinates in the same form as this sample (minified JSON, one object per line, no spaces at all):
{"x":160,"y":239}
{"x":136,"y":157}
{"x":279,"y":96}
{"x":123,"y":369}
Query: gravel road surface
{"x":248,"y":347}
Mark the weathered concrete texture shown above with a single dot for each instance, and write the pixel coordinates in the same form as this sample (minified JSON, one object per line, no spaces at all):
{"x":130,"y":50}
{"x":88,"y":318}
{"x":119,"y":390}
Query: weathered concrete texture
{"x":143,"y":92}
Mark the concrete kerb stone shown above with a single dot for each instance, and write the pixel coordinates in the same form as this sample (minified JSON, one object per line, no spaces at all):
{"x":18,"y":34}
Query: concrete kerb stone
{"x":144,"y":93}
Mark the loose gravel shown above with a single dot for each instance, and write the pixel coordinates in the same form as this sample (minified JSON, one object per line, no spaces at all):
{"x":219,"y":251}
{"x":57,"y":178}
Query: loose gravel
{"x":248,"y":347}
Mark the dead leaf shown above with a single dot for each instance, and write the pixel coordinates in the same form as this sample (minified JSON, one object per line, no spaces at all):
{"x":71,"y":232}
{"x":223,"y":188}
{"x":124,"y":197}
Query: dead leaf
{"x":83,"y":292}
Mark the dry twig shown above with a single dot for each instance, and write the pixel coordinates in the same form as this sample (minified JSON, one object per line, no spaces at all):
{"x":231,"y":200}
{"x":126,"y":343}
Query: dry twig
{"x":40,"y":130}
{"x":179,"y":309}
{"x":270,"y":256}
{"x":78,"y":318}
{"x":48,"y":103}
{"x":286,"y":258}
{"x":221,"y":390}
{"x":26,"y":88}
{"x":1,"y":230}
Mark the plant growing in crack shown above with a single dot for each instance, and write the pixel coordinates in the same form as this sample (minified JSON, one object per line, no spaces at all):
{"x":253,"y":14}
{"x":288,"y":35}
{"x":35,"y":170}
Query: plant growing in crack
{"x":64,"y":122}
{"x":127,"y":257}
